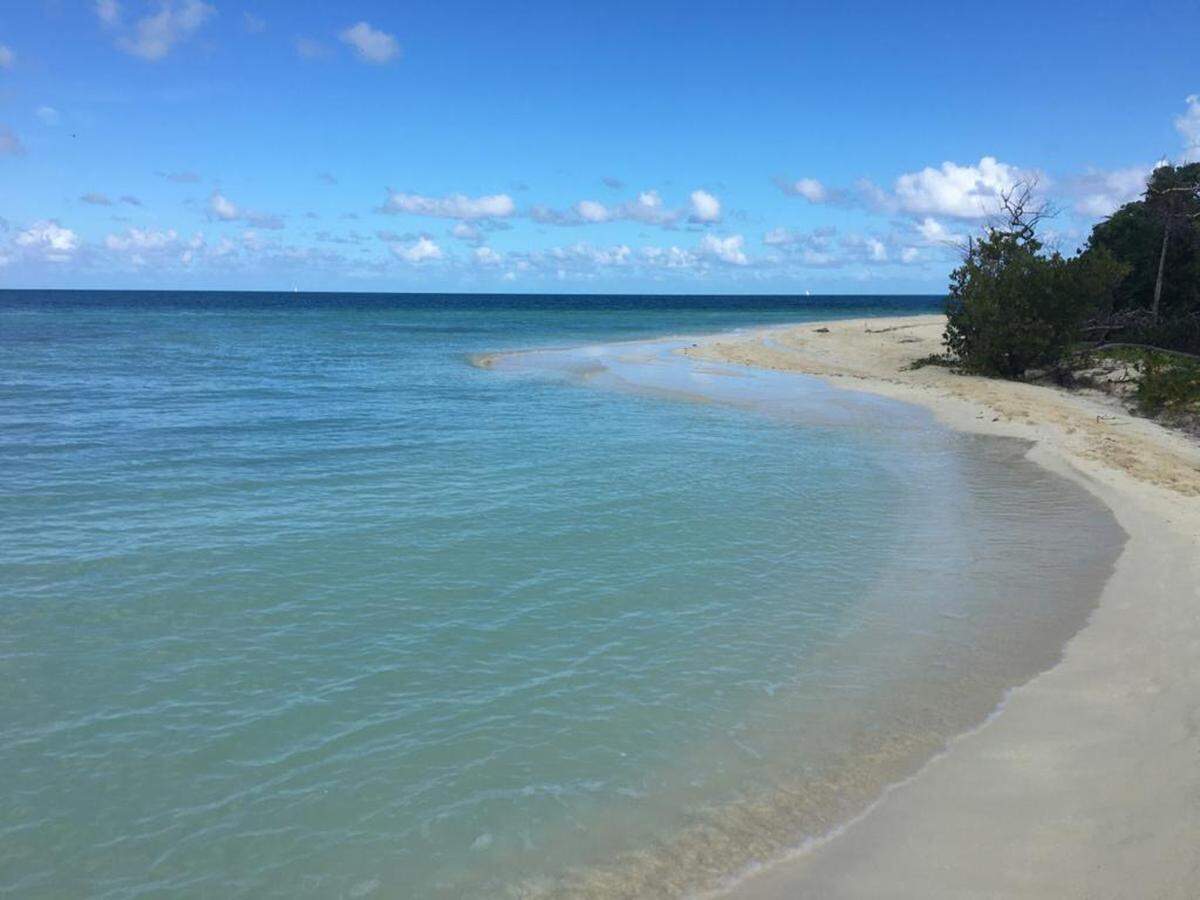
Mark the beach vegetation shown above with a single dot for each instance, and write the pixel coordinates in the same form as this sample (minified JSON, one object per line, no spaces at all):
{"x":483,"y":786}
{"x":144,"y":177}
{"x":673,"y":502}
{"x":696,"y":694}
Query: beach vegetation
{"x":1157,"y":238}
{"x":1015,"y":306}
{"x":1169,"y":387}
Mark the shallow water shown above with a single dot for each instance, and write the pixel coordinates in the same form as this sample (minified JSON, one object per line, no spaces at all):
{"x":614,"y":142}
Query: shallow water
{"x":297,"y":601}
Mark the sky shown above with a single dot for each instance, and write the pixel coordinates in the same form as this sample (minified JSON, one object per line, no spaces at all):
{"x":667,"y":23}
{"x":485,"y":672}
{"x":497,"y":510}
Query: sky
{"x":625,"y":147}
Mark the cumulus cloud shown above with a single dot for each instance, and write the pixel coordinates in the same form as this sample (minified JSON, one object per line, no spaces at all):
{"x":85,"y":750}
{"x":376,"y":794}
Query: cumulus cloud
{"x":154,"y":36}
{"x":825,"y":248}
{"x":579,"y":256}
{"x":728,"y":249}
{"x":961,"y":192}
{"x":808,"y":188}
{"x":934,"y":232}
{"x":465,"y":231}
{"x":8,"y":59}
{"x":10,"y":144}
{"x":49,"y":240}
{"x":705,"y":207}
{"x":1101,"y":193}
{"x":370,"y":44}
{"x":141,"y":239}
{"x":96,"y":199}
{"x":668,"y":257}
{"x":872,"y":247}
{"x":583,"y":260}
{"x":810,"y":248}
{"x":455,"y":206}
{"x":486,"y":256}
{"x":1188,"y":126}
{"x":422,"y":250}
{"x":141,"y":247}
{"x":950,"y":190}
{"x":222,"y":208}
{"x":646,"y":208}
{"x":592,"y":211}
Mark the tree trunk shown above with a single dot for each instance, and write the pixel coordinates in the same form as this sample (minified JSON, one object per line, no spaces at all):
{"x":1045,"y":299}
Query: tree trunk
{"x":1162,"y":261}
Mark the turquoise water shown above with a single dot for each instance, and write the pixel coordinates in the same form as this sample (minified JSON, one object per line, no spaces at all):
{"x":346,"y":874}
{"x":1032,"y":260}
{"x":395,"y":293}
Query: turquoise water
{"x":296,"y":601}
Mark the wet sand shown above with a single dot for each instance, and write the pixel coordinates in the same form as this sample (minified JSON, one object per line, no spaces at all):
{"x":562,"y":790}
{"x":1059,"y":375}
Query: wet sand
{"x":1087,"y":782}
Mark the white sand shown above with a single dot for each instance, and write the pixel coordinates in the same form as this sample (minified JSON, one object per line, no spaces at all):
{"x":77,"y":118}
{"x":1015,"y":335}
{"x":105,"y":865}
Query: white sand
{"x":1087,"y":782}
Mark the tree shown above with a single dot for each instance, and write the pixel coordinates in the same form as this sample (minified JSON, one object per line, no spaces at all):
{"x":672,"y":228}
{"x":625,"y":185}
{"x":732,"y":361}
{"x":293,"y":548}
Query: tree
{"x":1013,"y":307}
{"x":1173,"y":198}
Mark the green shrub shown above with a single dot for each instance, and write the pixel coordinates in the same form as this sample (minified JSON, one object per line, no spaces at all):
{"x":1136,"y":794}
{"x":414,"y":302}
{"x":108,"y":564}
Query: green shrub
{"x":1012,"y":307}
{"x":1168,"y":386}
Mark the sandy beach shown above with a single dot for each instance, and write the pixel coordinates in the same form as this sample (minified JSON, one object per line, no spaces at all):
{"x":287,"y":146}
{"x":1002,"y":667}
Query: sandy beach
{"x":1086,"y":783}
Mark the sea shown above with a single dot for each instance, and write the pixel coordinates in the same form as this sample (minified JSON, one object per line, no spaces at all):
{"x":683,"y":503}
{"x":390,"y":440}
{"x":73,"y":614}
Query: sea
{"x":473,"y":596}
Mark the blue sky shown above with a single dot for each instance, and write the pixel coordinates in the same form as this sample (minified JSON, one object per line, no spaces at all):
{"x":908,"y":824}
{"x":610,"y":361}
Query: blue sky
{"x":626,"y":147}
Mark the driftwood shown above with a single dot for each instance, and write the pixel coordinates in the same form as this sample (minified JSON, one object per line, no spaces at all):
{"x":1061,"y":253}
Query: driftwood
{"x":892,"y":328}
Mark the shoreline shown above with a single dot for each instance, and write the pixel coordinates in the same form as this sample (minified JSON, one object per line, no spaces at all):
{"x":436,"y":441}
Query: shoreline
{"x":1084,"y":782}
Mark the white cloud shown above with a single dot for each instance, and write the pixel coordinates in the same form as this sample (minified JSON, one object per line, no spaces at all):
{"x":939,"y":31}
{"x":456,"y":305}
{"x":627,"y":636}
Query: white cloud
{"x":808,"y":188}
{"x":10,"y":144}
{"x":465,"y":231}
{"x":1188,"y":125}
{"x":48,"y":115}
{"x":456,"y":206}
{"x":646,"y":208}
{"x":108,"y":11}
{"x":8,"y":59}
{"x":486,"y":256}
{"x":728,"y":250}
{"x":423,"y":250}
{"x":155,"y":35}
{"x":617,"y":255}
{"x":705,"y":207}
{"x":825,"y":248}
{"x":669,"y":257}
{"x":592,"y":211}
{"x":964,"y":192}
{"x":222,"y":208}
{"x":1101,"y":193}
{"x":370,"y":44}
{"x":49,"y":239}
{"x":141,"y":240}
{"x":934,"y":232}
{"x":810,"y":248}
